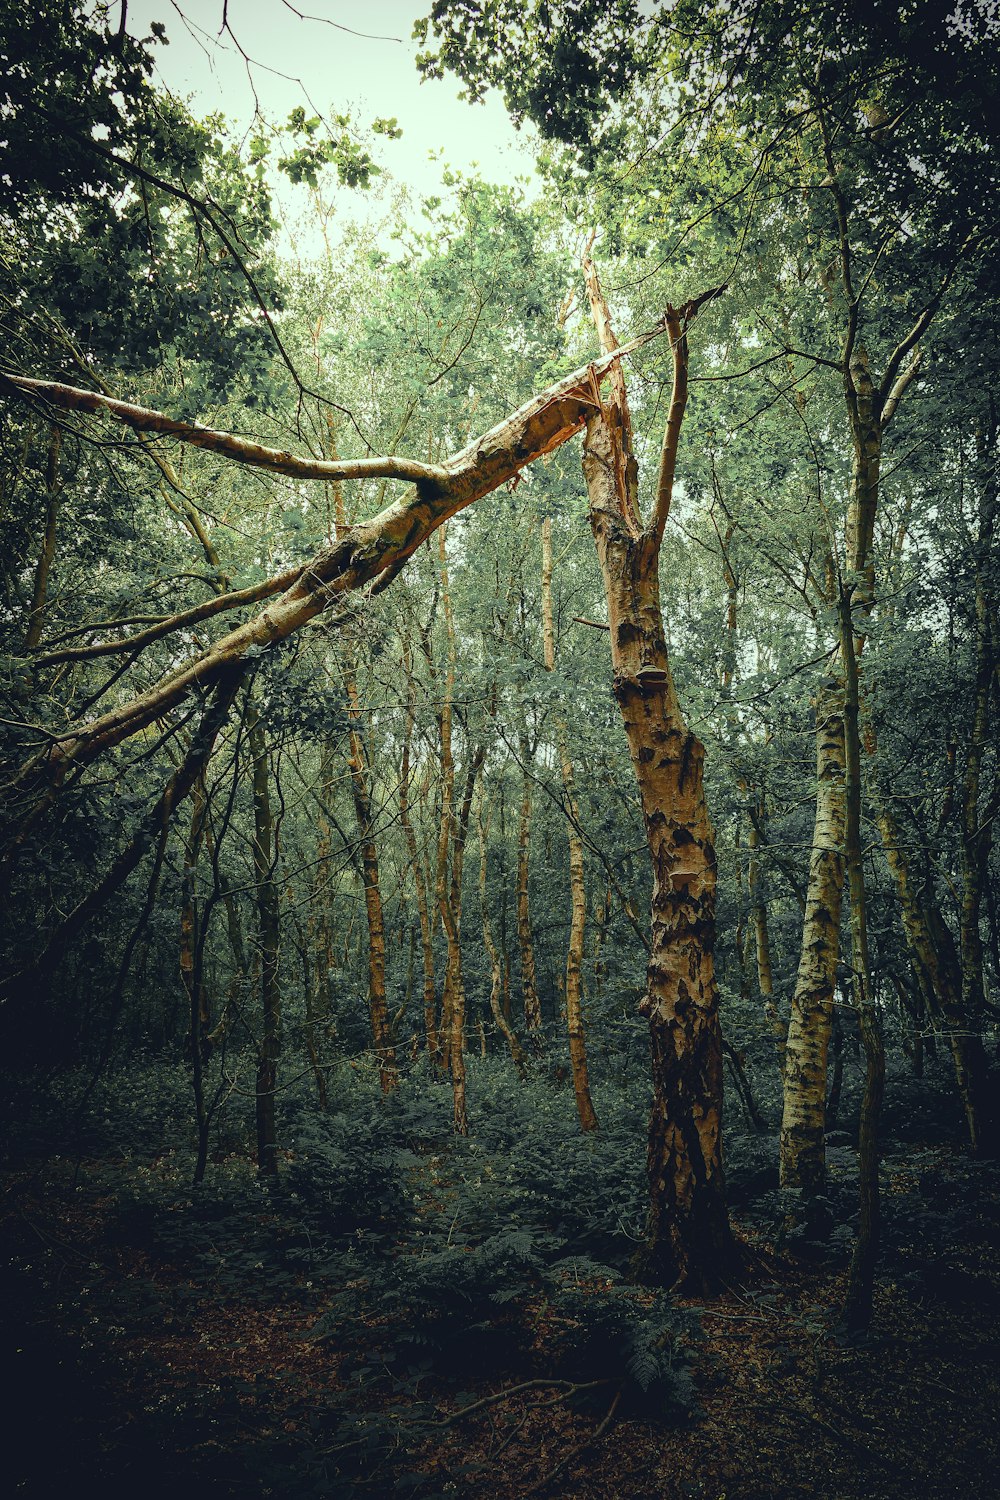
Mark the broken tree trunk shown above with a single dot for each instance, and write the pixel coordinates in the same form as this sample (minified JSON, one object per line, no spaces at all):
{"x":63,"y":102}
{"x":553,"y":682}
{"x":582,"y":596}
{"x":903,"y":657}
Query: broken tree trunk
{"x":690,"y":1241}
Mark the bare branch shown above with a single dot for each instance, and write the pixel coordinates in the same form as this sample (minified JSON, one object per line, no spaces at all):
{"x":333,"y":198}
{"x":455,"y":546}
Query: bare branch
{"x":181,"y":621}
{"x":898,"y":388}
{"x":677,"y":322}
{"x":277,"y":461}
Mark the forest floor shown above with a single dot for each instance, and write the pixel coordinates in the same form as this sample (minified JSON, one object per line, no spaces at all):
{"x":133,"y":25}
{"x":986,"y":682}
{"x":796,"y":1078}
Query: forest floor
{"x":130,"y":1374}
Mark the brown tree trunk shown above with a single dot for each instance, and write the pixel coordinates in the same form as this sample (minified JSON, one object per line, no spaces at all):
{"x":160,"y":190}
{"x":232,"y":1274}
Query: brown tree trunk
{"x":268,"y":931}
{"x":448,"y":883}
{"x":762,"y":941}
{"x":602,"y":916}
{"x":451,"y":915}
{"x":690,"y":1240}
{"x":47,"y":552}
{"x":525,"y":937}
{"x":446,"y":692}
{"x":689,"y":1230}
{"x":378,"y":1009}
{"x":319,"y":959}
{"x":935,"y":965}
{"x":578,"y":892}
{"x":496,"y":968}
{"x":417,"y":868}
{"x":192,"y":975}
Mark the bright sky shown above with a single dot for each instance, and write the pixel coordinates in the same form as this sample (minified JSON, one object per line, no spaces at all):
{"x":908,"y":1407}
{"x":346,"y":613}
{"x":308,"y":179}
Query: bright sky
{"x":328,"y":65}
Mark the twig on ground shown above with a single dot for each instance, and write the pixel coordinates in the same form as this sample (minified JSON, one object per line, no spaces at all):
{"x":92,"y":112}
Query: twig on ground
{"x":567,"y":1458}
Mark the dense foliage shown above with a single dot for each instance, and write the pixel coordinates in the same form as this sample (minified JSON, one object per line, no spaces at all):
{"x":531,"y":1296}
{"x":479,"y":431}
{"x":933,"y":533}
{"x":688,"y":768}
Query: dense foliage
{"x":363,"y":909}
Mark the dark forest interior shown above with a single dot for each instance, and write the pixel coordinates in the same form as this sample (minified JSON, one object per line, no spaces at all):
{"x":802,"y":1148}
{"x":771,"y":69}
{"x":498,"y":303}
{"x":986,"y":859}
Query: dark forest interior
{"x":499,"y":767}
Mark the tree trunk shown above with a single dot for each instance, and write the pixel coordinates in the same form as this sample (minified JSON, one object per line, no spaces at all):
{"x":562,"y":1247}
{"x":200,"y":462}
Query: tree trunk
{"x":445,"y":837}
{"x":690,"y":1239}
{"x":762,"y":942}
{"x":417,"y":868}
{"x":378,"y":1009}
{"x":803,"y":1153}
{"x":741,"y":1083}
{"x":525,"y":937}
{"x":451,"y":915}
{"x":602,"y":916}
{"x":496,"y":968}
{"x":47,"y":552}
{"x":319,"y":959}
{"x":858,"y":1302}
{"x":936,"y":966}
{"x":578,"y":892}
{"x":264,"y":860}
{"x":977,"y":828}
{"x":192,"y":974}
{"x":833,"y":1098}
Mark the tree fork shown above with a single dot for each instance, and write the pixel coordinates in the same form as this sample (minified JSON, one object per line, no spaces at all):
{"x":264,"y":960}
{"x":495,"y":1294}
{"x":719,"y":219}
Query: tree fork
{"x":690,"y":1241}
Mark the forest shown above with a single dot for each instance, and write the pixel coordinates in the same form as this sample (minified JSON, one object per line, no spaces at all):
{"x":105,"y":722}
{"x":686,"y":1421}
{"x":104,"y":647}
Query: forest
{"x":499,"y":765}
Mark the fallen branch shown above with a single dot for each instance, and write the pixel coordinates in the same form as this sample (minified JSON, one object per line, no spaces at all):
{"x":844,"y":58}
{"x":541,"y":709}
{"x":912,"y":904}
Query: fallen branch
{"x":567,"y":1389}
{"x":581,"y":1448}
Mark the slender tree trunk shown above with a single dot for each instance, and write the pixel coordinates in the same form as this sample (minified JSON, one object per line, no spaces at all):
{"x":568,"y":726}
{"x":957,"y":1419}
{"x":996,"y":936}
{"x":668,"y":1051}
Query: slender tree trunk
{"x":445,"y":838}
{"x":977,"y":828}
{"x":192,"y":975}
{"x":525,"y":937}
{"x":451,"y":915}
{"x":268,"y":929}
{"x":234,"y":931}
{"x":322,"y":922}
{"x":602,"y":916}
{"x":803,"y":1154}
{"x":378,"y":1008}
{"x":578,"y":892}
{"x":762,"y":942}
{"x":417,"y":868}
{"x":741,"y":1082}
{"x":319,"y":959}
{"x":47,"y":552}
{"x":936,"y":966}
{"x":858,"y":1302}
{"x":451,"y":842}
{"x":496,"y":968}
{"x":837,"y":1071}
{"x":912,"y":1016}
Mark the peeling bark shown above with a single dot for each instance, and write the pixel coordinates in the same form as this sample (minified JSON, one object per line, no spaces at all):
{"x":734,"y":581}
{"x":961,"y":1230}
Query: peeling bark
{"x":690,"y":1241}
